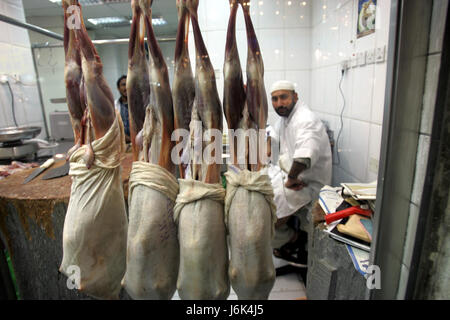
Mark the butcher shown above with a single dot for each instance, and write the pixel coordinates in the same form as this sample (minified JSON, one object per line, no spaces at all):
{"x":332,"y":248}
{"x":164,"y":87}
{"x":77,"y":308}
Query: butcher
{"x":121,"y":105}
{"x":303,"y":168}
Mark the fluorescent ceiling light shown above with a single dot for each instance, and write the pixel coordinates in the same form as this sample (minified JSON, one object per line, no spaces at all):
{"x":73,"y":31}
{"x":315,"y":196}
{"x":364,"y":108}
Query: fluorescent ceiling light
{"x":107,"y":20}
{"x":94,"y":2}
{"x":158,"y":21}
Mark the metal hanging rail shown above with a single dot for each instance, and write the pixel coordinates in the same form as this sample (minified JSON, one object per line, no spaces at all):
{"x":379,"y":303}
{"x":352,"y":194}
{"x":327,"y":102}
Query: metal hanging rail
{"x":97,"y":42}
{"x":60,"y":37}
{"x":31,"y":27}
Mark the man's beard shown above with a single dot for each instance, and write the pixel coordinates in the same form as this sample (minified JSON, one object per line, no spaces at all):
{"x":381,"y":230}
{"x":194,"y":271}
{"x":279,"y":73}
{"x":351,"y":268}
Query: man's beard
{"x":284,"y":111}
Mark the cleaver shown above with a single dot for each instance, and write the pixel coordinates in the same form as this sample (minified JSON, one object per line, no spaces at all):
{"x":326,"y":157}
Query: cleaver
{"x":58,"y":172}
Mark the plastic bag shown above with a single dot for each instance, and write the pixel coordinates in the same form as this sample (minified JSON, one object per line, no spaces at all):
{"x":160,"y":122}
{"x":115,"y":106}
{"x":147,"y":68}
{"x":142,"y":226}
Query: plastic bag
{"x":152,"y":249}
{"x":95,"y":226}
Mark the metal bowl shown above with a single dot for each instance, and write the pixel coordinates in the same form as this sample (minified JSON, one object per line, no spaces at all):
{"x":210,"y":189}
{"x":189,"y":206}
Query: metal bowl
{"x":18,"y":133}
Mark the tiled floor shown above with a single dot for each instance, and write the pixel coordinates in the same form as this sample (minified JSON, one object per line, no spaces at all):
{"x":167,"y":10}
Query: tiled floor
{"x":286,"y":287}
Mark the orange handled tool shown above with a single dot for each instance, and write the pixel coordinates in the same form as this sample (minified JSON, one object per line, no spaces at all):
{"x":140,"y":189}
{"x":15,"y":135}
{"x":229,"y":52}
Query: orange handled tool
{"x":348,"y":212}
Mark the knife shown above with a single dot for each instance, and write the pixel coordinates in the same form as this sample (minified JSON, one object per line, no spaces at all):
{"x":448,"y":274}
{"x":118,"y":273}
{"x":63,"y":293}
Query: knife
{"x":57,"y":172}
{"x":39,"y":170}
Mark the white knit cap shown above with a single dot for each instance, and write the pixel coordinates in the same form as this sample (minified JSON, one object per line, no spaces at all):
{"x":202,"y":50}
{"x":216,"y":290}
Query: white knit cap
{"x":282,"y":85}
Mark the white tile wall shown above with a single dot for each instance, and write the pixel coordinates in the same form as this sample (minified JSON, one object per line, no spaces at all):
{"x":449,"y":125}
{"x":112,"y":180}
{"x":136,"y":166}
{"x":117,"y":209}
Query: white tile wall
{"x":298,"y":14}
{"x":241,"y":38}
{"x":361,"y":107}
{"x":382,"y":22}
{"x":4,"y":35}
{"x":211,"y":15}
{"x":379,"y":88}
{"x":359,"y":145}
{"x":318,"y":12}
{"x":283,"y":29}
{"x":216,"y":48}
{"x":374,"y":151}
{"x":301,"y":80}
{"x":50,"y":64}
{"x":334,"y":40}
{"x":330,"y":89}
{"x":6,"y":118}
{"x":273,"y":50}
{"x":16,"y":63}
{"x":346,"y":30}
{"x":297,"y":49}
{"x":270,"y":14}
{"x":343,"y":143}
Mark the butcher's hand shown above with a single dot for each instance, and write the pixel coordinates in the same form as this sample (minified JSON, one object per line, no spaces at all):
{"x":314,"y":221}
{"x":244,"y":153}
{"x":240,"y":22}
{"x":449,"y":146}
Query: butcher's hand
{"x":295,"y":184}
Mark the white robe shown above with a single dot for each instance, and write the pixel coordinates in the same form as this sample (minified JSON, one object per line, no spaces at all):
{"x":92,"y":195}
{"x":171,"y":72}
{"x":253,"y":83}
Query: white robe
{"x":301,"y":135}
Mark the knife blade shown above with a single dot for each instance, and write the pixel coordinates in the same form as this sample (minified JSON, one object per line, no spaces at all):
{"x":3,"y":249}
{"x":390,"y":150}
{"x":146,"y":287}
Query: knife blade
{"x":57,"y":172}
{"x":39,"y":170}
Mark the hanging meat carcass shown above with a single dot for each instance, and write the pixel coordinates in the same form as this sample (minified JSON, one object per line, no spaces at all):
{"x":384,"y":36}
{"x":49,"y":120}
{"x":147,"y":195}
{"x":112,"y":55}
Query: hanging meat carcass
{"x":199,"y":208}
{"x":95,"y":226}
{"x":138,"y":85}
{"x":72,"y":78}
{"x":234,"y":92}
{"x":153,"y":250}
{"x":249,"y":208}
{"x":183,"y":91}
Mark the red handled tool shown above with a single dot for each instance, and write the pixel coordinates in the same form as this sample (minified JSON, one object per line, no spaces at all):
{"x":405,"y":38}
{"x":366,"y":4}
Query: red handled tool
{"x":362,"y":210}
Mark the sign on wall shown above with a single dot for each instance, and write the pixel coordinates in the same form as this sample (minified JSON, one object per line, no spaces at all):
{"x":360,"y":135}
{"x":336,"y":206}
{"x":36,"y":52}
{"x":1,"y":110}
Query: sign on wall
{"x":366,"y":17}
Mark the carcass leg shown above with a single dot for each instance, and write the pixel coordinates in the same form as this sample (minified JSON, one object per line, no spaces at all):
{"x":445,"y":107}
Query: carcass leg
{"x":148,"y":132}
{"x":196,"y":145}
{"x":89,"y":154}
{"x":207,"y":99}
{"x":256,"y":92}
{"x":100,"y":99}
{"x":234,"y":92}
{"x":138,"y":87}
{"x":72,"y":79}
{"x":183,"y":88}
{"x":160,"y":87}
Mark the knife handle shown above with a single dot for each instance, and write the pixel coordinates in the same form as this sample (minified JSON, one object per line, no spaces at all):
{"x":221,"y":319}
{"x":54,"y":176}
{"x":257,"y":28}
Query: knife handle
{"x":47,"y":163}
{"x":347,"y":212}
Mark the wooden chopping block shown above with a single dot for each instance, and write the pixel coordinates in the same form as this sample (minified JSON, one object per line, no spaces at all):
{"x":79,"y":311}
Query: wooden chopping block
{"x":31,"y":223}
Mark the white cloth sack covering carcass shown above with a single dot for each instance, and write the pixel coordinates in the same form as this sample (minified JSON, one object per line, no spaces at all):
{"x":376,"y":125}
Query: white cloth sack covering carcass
{"x":95,"y":227}
{"x":152,"y":250}
{"x":250,"y":217}
{"x":202,"y":235}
